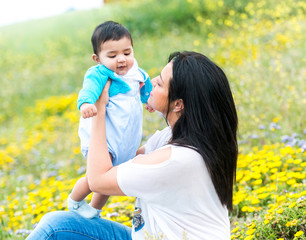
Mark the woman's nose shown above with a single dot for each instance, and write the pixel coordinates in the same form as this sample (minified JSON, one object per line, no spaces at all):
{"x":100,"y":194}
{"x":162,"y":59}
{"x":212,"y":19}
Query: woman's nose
{"x":153,"y":81}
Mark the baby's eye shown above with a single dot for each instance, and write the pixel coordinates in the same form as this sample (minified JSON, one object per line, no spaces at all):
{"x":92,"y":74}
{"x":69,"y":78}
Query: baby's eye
{"x":112,"y":56}
{"x":127,"y":54}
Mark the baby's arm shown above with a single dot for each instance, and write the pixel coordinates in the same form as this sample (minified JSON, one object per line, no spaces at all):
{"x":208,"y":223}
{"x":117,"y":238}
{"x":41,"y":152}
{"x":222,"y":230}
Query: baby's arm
{"x":141,"y":150}
{"x":93,"y":84}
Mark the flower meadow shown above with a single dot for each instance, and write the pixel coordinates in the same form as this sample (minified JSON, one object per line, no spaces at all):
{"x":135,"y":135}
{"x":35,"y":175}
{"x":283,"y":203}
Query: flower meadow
{"x":259,"y":44}
{"x":270,"y":191}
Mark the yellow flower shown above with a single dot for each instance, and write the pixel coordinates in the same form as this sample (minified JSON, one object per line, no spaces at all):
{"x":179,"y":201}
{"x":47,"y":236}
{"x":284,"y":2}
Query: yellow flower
{"x":250,"y":231}
{"x":76,"y":150}
{"x":280,"y":210}
{"x":244,"y":208}
{"x":251,"y":225}
{"x":3,"y":141}
{"x":249,"y":237}
{"x":244,"y":16}
{"x":251,"y":209}
{"x":228,"y":23}
{"x":299,"y":175}
{"x":220,"y":3}
{"x":208,"y":22}
{"x":199,"y":18}
{"x":196,"y":43}
{"x":299,"y":233}
{"x":292,"y":223}
{"x":297,"y":161}
{"x":235,"y":230}
{"x":231,"y":12}
{"x":291,"y":181}
{"x":255,"y":201}
{"x":280,"y":198}
{"x":276,"y":119}
{"x":123,"y":218}
{"x":283,"y":179}
{"x":263,"y":195}
{"x":257,"y":182}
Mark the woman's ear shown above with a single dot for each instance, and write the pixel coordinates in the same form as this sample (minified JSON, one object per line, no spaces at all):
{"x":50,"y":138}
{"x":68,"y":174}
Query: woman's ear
{"x":96,"y":58}
{"x":178,"y":105}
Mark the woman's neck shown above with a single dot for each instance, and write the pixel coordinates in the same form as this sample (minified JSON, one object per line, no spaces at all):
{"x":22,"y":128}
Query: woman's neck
{"x":172,"y":118}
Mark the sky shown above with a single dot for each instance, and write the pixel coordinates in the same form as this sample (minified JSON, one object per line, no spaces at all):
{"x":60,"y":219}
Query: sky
{"x":13,"y":11}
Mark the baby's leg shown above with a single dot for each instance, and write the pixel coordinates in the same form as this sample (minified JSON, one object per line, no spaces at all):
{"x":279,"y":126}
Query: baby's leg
{"x":98,"y":200}
{"x":76,"y":201}
{"x":80,"y":190}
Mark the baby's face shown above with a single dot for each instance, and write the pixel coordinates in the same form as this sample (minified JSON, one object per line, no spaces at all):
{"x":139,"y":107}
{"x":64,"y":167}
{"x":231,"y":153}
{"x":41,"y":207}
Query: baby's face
{"x":117,"y":56}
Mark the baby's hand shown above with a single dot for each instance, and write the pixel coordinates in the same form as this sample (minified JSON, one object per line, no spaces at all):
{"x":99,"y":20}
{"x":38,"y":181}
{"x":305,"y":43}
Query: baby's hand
{"x":141,"y":84}
{"x":149,"y":108}
{"x":88,"y":110}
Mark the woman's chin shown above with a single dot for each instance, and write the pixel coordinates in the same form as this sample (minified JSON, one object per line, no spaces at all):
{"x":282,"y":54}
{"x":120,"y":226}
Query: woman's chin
{"x":150,"y":102}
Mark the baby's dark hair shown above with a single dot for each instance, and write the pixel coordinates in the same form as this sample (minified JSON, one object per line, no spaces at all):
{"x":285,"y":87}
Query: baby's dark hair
{"x":108,"y":30}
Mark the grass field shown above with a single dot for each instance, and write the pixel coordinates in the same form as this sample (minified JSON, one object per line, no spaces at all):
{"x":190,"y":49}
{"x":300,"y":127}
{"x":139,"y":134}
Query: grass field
{"x":259,"y":44}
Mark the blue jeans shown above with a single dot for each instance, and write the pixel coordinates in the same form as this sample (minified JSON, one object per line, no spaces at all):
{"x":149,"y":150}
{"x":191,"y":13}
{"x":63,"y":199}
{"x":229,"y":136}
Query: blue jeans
{"x":66,"y":225}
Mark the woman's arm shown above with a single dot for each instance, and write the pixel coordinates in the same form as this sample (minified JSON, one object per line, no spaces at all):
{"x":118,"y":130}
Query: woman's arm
{"x":102,"y":176}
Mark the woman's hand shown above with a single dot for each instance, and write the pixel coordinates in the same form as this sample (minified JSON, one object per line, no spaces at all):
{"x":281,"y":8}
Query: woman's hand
{"x":104,"y":97}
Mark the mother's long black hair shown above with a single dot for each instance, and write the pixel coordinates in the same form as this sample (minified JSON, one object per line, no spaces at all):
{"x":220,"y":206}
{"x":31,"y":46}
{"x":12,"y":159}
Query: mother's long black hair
{"x":209,"y":119}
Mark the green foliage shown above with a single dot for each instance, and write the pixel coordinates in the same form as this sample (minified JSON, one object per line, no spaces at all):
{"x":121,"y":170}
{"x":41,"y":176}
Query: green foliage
{"x":160,"y":17}
{"x":289,"y":219}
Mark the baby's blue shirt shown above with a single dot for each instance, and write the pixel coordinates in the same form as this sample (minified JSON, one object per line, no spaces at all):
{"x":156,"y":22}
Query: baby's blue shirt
{"x":96,"y":78}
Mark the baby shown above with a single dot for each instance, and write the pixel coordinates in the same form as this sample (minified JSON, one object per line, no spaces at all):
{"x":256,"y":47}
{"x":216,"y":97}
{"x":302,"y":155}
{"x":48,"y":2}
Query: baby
{"x":130,"y":87}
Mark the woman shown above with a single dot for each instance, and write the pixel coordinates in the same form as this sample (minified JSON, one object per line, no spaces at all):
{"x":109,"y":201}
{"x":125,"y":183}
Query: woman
{"x":184,"y":189}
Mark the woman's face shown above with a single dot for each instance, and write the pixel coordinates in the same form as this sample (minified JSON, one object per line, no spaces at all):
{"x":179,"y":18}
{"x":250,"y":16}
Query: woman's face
{"x":159,"y":95}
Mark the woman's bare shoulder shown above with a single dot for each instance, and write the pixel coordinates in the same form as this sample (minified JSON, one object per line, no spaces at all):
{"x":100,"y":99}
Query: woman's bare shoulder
{"x":155,"y":157}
